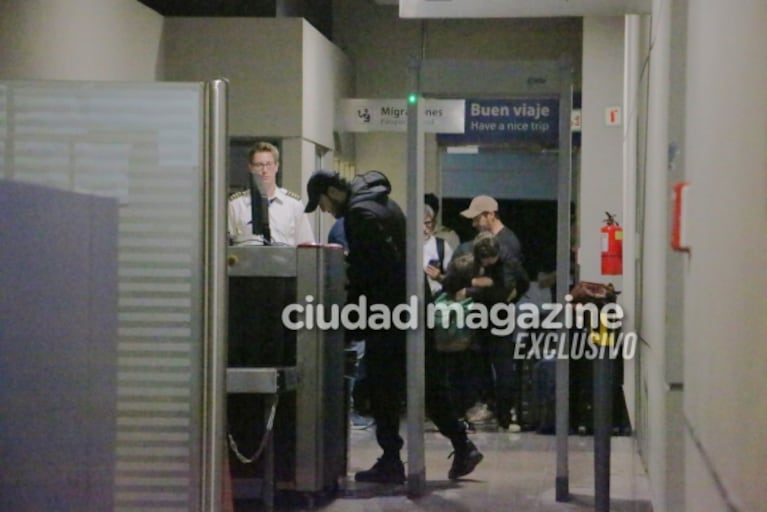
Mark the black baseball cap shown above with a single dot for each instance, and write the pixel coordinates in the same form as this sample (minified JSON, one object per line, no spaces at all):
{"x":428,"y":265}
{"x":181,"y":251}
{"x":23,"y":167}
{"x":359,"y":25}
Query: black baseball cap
{"x":318,"y":184}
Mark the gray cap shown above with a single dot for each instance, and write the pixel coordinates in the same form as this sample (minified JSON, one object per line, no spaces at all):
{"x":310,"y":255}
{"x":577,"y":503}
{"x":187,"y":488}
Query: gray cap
{"x":479,"y":205}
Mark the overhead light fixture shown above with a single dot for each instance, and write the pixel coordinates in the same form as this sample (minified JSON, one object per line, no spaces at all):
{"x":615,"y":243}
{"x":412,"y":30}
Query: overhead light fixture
{"x":463,"y":150}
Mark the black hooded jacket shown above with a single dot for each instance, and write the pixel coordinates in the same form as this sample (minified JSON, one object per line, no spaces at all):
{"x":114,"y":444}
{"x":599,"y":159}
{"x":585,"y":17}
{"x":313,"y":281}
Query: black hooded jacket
{"x":375,"y":230}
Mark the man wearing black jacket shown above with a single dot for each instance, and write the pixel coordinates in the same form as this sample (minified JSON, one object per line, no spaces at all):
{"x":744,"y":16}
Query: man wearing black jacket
{"x":498,"y":253}
{"x":494,"y":283}
{"x":376,"y":234}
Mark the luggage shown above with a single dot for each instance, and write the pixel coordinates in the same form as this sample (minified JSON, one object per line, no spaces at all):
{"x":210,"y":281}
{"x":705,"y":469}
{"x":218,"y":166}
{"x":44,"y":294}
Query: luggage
{"x":581,"y":398}
{"x":524,"y":395}
{"x":544,"y":377}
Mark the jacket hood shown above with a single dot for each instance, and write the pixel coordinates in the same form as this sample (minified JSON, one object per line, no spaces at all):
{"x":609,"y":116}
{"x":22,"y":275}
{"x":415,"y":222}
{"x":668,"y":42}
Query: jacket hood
{"x":372,"y":185}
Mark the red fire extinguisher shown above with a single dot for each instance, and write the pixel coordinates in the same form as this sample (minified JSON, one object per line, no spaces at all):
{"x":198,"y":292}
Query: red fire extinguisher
{"x":612,"y":246}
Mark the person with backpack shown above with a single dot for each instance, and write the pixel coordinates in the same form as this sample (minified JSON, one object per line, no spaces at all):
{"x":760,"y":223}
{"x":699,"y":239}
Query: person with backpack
{"x":376,"y":266}
{"x":444,"y":357}
{"x":440,"y":230}
{"x":454,"y":340}
{"x":437,"y":253}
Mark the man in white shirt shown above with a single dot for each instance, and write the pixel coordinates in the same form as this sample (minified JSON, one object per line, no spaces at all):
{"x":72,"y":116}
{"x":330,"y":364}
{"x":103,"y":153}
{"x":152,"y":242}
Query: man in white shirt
{"x":439,"y":230}
{"x":432,"y":254}
{"x":288,"y":223}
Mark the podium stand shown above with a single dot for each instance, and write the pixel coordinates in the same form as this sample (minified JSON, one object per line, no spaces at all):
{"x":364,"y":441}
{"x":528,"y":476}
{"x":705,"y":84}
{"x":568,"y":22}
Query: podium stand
{"x":294,"y":376}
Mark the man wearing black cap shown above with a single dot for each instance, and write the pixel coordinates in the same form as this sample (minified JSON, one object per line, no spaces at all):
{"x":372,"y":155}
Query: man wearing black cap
{"x":375,"y":231}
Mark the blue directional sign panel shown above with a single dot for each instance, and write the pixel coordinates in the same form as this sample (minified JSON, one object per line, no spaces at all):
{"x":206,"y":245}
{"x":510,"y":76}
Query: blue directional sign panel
{"x":508,"y":120}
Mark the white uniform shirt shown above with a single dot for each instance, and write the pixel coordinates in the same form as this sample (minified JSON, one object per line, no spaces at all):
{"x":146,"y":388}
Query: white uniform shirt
{"x":288,"y":223}
{"x":430,"y":253}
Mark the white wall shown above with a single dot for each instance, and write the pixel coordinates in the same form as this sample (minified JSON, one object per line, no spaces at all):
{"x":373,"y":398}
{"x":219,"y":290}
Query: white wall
{"x":261,"y":58}
{"x":79,"y":40}
{"x":655,"y":420}
{"x":725,"y":325}
{"x":283,"y":74}
{"x":601,"y":177}
{"x":326,"y":76}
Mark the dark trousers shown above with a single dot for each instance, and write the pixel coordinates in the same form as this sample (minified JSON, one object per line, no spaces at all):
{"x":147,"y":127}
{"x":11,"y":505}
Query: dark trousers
{"x":440,"y":405}
{"x":464,"y":382}
{"x":472,"y":380}
{"x":385,"y":366}
{"x":499,"y":354}
{"x":385,"y":360}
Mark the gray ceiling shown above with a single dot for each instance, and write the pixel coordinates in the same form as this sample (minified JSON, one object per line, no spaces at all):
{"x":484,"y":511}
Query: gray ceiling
{"x":316,"y":12}
{"x":261,"y":8}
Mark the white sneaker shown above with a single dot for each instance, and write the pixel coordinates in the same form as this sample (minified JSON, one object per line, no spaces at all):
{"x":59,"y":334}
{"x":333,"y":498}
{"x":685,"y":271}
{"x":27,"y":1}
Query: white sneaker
{"x":474,"y":409}
{"x":358,"y":422}
{"x":479,"y":414}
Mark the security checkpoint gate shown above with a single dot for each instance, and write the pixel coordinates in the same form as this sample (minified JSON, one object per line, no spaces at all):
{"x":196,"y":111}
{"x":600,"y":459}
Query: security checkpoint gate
{"x":517,"y":79}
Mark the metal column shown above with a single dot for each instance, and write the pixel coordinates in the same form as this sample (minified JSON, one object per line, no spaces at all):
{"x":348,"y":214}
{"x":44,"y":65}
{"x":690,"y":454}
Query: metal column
{"x":603,"y":397}
{"x":215,"y":282}
{"x":416,"y":466}
{"x":563,"y":275}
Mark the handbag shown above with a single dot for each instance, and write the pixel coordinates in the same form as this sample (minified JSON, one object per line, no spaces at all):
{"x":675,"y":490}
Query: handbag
{"x":450,"y":331}
{"x":585,"y":292}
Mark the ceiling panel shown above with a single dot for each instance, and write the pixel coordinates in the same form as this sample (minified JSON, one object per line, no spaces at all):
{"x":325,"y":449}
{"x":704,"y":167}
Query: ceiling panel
{"x":317,"y":12}
{"x":259,"y":8}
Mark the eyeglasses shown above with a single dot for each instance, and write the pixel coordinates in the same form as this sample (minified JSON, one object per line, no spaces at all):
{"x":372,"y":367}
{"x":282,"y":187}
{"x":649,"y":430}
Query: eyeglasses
{"x":262,"y":165}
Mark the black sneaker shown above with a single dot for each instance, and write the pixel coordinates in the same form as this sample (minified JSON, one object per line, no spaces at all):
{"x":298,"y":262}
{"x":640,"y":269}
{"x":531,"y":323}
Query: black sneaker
{"x":465,"y":460}
{"x":385,"y":471}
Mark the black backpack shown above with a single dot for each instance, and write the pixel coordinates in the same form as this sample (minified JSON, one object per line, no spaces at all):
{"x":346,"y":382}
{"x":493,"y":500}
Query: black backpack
{"x":428,"y":295}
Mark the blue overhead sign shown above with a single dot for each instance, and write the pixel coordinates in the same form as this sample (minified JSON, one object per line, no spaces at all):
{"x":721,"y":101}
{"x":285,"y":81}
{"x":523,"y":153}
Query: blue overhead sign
{"x":495,"y":121}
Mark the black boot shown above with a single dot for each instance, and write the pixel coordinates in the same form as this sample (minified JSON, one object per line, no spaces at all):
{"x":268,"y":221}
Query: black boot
{"x":388,"y":470}
{"x":466,"y":459}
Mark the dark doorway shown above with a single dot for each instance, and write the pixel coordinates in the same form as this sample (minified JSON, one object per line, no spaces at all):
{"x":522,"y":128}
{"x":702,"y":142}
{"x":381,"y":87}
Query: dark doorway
{"x":533,"y":221}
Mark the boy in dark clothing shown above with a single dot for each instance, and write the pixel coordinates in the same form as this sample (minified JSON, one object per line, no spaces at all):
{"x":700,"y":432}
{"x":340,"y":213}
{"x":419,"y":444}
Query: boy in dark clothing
{"x":464,"y":369}
{"x":508,"y":283}
{"x":375,"y":231}
{"x":495,"y":282}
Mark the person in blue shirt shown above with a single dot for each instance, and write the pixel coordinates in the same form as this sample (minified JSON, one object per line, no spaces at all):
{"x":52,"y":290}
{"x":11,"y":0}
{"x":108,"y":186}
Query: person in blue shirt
{"x":337,"y":234}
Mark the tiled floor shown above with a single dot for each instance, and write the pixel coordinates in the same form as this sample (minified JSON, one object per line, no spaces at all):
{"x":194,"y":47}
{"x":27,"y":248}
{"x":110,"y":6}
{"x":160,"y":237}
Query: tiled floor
{"x":517,"y":474}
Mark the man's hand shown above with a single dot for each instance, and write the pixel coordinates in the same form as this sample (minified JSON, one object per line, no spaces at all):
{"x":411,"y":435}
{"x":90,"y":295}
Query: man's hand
{"x":433,"y":272}
{"x":482,"y":282}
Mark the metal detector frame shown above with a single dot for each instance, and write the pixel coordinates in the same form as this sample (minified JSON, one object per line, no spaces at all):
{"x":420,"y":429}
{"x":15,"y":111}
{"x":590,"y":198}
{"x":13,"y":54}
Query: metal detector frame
{"x":447,"y":79}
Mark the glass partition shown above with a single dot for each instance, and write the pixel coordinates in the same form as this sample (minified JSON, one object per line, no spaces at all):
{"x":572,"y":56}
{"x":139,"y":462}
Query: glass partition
{"x":141,"y":143}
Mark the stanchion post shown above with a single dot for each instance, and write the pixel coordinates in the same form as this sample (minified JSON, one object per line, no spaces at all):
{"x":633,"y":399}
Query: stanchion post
{"x":602,"y":416}
{"x":564,"y":198}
